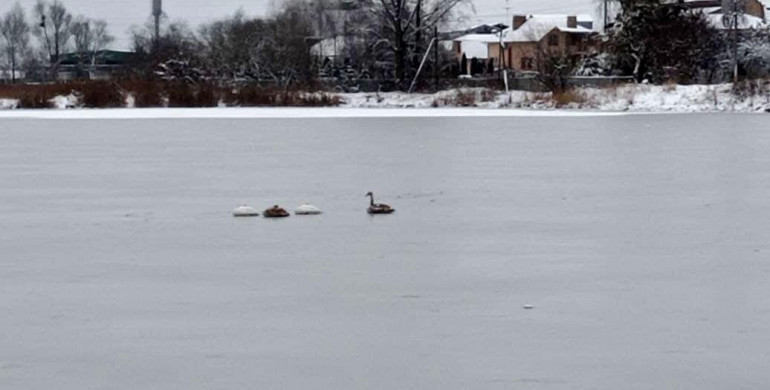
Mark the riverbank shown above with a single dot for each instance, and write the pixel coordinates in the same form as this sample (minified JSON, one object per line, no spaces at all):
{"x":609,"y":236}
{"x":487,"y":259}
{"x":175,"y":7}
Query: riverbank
{"x":630,"y":97}
{"x":753,"y":97}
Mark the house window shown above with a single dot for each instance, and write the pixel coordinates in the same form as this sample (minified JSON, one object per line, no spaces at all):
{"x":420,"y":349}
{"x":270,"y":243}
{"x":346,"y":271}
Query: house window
{"x":553,"y":40}
{"x":526,"y":63}
{"x":575,"y":40}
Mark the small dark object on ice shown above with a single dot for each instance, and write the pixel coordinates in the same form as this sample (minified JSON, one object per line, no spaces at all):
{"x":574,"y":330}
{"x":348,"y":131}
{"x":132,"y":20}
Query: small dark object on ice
{"x":275,"y":212}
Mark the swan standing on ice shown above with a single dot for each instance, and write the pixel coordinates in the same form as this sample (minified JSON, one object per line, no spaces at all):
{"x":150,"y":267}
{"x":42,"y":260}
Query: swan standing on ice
{"x":245,"y":211}
{"x":377,"y":208}
{"x":275,"y":212}
{"x":307,"y":209}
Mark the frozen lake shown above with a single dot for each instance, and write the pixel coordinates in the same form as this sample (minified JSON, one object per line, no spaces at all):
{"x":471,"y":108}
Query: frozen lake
{"x":643,"y":243}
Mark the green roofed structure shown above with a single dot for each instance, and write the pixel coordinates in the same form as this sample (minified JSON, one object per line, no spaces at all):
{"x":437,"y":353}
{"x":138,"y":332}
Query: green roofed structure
{"x":101,"y":65}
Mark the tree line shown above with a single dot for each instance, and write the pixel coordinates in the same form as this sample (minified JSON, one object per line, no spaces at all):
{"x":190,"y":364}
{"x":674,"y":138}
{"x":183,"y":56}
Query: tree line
{"x":55,"y":31}
{"x":381,"y":39}
{"x":662,"y":41}
{"x":350,"y":40}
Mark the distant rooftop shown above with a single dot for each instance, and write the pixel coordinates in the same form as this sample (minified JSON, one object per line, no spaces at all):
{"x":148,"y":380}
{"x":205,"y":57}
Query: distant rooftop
{"x":103,"y":57}
{"x":538,"y":26}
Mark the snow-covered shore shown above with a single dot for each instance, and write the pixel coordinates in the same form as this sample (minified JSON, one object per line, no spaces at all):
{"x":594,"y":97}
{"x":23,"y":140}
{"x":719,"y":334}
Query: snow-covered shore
{"x":462,"y":102}
{"x":291,"y":112}
{"x":631,"y":97}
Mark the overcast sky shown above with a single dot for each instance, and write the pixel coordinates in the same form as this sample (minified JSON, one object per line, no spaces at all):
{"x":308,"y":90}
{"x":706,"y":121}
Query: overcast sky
{"x":122,"y":14}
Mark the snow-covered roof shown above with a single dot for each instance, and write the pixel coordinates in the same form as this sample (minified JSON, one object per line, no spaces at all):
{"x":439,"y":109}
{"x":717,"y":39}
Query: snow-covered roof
{"x":475,"y":45}
{"x":712,"y":10}
{"x":576,"y":30}
{"x":477,"y":38}
{"x":481,"y":29}
{"x":538,"y":26}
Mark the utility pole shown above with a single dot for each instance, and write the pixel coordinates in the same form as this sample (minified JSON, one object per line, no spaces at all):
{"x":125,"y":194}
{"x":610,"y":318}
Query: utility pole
{"x":436,"y":65}
{"x":606,"y":17}
{"x":732,"y":11}
{"x":418,"y":25}
{"x":500,"y":29}
{"x":157,"y":11}
{"x":507,"y":12}
{"x":422,"y":63}
{"x":735,"y":45}
{"x":48,"y":46}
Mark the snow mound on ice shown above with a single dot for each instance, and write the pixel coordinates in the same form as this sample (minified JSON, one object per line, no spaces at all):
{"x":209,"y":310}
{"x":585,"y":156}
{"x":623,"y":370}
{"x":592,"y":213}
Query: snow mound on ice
{"x":8,"y":104}
{"x":245,"y":211}
{"x":307,"y":209}
{"x":64,"y":102}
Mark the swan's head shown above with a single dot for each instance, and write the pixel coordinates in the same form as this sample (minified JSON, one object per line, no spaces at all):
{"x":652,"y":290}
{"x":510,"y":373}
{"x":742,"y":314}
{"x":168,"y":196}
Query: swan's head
{"x":369,"y":193}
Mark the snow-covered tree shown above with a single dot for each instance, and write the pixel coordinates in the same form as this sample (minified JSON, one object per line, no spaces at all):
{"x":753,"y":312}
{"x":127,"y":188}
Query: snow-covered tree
{"x":598,"y":64}
{"x":653,"y":38}
{"x":754,"y":53}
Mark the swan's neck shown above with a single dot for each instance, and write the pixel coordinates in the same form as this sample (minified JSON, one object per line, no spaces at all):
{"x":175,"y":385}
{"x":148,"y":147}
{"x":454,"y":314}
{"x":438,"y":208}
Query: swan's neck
{"x":371,"y":200}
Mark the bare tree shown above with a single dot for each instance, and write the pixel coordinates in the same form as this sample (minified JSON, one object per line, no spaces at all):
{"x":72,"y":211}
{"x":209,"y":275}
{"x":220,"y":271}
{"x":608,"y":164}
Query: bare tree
{"x":90,"y":37}
{"x":554,"y":68}
{"x":177,"y":54}
{"x":227,"y":45}
{"x":405,"y":20}
{"x":54,"y":29}
{"x":81,"y":34}
{"x":15,"y":33}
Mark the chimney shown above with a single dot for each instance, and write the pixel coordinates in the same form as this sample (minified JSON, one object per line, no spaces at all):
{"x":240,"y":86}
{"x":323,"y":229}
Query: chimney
{"x":572,"y":21}
{"x":518,"y":20}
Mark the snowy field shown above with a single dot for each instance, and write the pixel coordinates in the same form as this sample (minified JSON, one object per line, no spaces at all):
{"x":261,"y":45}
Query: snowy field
{"x":642,"y":242}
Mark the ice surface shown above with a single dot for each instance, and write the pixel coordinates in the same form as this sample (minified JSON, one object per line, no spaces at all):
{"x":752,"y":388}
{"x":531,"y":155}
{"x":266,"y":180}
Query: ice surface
{"x":640,"y":240}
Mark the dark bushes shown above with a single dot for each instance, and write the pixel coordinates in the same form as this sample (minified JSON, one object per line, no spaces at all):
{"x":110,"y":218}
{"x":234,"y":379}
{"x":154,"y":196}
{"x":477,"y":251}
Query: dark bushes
{"x":100,"y":94}
{"x":32,"y":96}
{"x":35,"y":99}
{"x":145,"y":93}
{"x":255,"y":96}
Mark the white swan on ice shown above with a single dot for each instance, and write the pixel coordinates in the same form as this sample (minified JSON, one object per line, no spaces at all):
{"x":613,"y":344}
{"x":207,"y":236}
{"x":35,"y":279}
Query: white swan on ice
{"x":245,"y":211}
{"x":307,"y":209}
